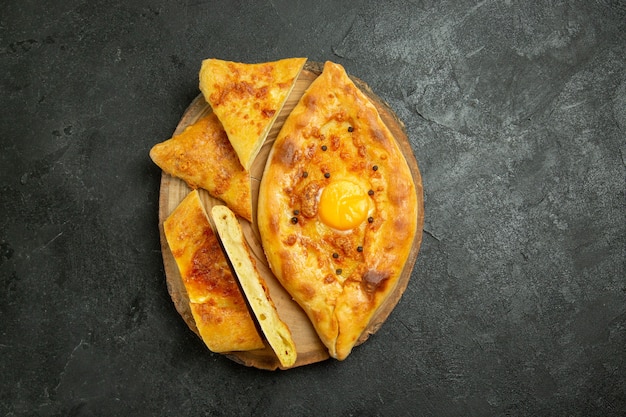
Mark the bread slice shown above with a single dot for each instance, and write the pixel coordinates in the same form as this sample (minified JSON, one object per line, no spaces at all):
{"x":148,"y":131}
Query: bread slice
{"x":247,"y":98}
{"x":218,"y":307}
{"x":203,"y":157}
{"x":253,"y":285}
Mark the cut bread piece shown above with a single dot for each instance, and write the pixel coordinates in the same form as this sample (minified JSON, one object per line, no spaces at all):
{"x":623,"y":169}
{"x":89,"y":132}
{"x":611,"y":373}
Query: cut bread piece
{"x":247,"y":98}
{"x":253,"y":285}
{"x":203,"y":157}
{"x":215,"y":300}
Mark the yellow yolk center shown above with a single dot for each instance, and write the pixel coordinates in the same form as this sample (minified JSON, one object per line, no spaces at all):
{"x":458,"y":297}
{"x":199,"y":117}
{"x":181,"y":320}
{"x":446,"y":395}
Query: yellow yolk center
{"x":343,"y":205}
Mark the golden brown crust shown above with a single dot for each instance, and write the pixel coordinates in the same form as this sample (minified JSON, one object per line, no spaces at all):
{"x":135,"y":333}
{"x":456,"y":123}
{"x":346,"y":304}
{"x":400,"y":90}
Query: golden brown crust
{"x":339,"y":277}
{"x":218,"y":307}
{"x":203,"y":157}
{"x":247,"y":98}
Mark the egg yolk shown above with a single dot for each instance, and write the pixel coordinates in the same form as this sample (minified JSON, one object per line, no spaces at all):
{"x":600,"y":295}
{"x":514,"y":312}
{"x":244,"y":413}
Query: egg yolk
{"x":343,"y":205}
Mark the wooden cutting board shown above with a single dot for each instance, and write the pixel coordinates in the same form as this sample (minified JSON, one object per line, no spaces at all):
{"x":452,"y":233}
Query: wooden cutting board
{"x":309,"y":348}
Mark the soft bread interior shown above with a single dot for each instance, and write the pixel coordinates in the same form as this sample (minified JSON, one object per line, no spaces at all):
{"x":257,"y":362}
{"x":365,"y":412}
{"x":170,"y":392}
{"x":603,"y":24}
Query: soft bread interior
{"x":275,"y":330}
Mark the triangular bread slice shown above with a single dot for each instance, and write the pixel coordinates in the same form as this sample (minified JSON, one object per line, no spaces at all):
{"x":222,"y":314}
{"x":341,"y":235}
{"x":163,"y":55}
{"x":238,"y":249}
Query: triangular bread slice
{"x":247,"y":98}
{"x":203,"y":157}
{"x":253,"y":285}
{"x":219,"y":310}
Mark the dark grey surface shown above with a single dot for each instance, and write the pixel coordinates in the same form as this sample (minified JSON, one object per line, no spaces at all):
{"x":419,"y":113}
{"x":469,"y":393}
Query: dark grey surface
{"x":517,"y":115}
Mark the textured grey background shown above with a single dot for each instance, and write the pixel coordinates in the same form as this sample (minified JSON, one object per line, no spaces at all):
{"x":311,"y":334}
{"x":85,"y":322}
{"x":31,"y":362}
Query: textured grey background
{"x":516,"y":112}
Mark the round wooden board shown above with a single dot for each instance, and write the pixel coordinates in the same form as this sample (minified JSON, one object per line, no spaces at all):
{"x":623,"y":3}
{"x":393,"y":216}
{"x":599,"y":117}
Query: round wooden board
{"x":309,"y":348}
